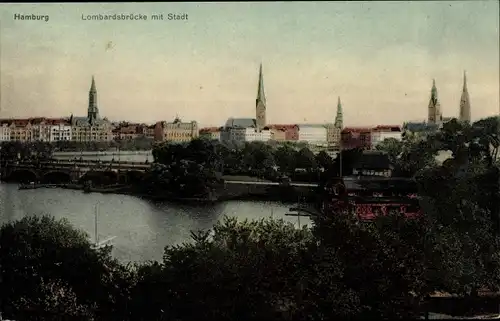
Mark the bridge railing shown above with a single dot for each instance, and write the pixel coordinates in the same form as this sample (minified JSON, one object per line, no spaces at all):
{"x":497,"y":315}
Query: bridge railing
{"x":60,"y":161}
{"x":80,"y":164}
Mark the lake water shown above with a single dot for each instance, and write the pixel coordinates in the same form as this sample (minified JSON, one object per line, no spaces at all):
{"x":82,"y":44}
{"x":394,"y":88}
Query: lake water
{"x":142,"y":228}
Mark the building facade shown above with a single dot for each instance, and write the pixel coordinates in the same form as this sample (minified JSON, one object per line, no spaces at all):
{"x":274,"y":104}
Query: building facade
{"x":60,"y":131}
{"x":244,"y":130}
{"x":356,"y":137}
{"x":4,"y":132}
{"x":40,"y":129}
{"x":211,"y":133}
{"x":176,"y":131}
{"x":150,"y":131}
{"x":277,"y":134}
{"x":290,"y":132}
{"x":382,"y":132}
{"x":313,"y":134}
{"x":128,"y":131}
{"x":20,"y":130}
{"x":249,"y":134}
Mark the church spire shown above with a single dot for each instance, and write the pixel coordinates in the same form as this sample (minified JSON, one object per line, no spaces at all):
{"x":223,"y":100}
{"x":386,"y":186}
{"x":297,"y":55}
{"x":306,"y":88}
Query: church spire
{"x":92,"y":86}
{"x":261,"y":96}
{"x":465,"y":102}
{"x":339,"y":120}
{"x":434,"y":108}
{"x":92,"y":111}
{"x":260,"y":102}
{"x":434,"y":91}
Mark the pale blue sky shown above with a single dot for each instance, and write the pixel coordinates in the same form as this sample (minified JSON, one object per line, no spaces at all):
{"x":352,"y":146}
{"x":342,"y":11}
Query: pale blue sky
{"x":379,"y":57}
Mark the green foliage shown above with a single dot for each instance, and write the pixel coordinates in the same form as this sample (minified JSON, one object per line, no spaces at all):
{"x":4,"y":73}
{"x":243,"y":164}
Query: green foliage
{"x":244,"y":270}
{"x":13,"y":150}
{"x":392,"y":147}
{"x":43,"y":264}
{"x":186,"y":170}
{"x":323,"y":160}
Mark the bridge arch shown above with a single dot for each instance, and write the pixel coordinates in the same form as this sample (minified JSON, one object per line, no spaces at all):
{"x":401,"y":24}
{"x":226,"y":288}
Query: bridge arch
{"x":22,"y":176}
{"x":56,"y":177}
{"x":99,"y":178}
{"x":134,"y":176}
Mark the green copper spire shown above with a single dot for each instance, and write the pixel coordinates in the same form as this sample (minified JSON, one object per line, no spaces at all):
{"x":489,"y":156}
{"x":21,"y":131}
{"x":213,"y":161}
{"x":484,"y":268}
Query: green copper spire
{"x":434,"y":92}
{"x":261,"y":96}
{"x":339,"y":121}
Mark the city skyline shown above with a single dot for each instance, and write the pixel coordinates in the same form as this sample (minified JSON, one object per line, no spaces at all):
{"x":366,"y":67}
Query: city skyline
{"x":206,"y":68}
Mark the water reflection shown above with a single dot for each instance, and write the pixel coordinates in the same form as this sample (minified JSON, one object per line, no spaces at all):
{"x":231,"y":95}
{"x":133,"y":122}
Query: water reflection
{"x":142,"y":228}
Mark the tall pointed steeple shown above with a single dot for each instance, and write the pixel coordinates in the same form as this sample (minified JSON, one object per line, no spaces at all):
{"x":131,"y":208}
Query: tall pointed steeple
{"x":260,"y":102}
{"x":339,"y":119}
{"x":465,"y":112}
{"x":434,"y":108}
{"x":92,"y":111}
{"x":261,"y":96}
{"x":92,"y":86}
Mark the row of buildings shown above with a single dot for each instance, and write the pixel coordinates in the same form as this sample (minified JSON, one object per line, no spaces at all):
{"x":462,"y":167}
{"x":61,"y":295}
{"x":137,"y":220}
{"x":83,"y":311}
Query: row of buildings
{"x":76,"y":130}
{"x":92,"y":128}
{"x":257,"y":129}
{"x":330,"y":136}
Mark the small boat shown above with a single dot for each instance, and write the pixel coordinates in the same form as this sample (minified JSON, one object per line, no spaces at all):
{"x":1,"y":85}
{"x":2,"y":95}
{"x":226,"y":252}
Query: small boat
{"x":31,"y":185}
{"x":104,"y":243}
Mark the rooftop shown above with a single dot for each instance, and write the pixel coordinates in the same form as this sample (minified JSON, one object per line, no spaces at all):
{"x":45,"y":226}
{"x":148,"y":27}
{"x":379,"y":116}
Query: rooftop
{"x":240,"y":123}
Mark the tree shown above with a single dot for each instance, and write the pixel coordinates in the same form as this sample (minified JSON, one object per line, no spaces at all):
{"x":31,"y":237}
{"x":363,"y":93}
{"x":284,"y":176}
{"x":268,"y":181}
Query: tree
{"x":41,"y":257}
{"x":384,"y":259}
{"x":244,"y":270}
{"x":324,"y":160}
{"x":52,"y":300}
{"x":306,"y":159}
{"x":257,"y":158}
{"x":286,"y":159}
{"x":392,"y":147}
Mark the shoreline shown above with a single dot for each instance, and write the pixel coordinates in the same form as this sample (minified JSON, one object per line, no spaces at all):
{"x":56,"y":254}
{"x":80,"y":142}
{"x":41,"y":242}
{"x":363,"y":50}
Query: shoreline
{"x":127,"y":190}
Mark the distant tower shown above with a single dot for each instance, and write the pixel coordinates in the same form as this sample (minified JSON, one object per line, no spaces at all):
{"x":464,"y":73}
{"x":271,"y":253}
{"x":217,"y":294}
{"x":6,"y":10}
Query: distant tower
{"x":339,"y":119}
{"x":92,"y":111}
{"x":260,"y":102}
{"x":465,"y":103}
{"x":435,"y":116}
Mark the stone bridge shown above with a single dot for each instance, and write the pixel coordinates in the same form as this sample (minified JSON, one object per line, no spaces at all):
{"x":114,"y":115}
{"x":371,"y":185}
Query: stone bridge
{"x":99,"y":173}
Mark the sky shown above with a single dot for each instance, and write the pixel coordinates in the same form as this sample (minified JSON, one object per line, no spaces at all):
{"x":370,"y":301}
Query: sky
{"x":378,"y":57}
